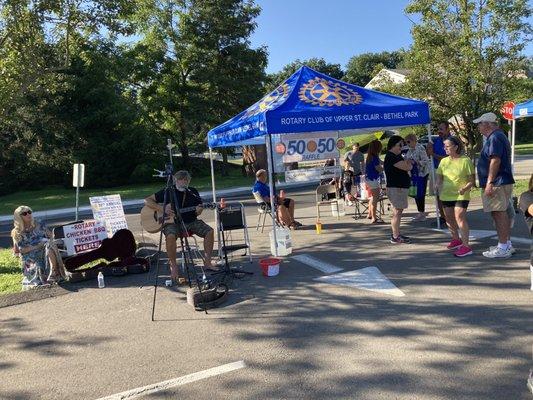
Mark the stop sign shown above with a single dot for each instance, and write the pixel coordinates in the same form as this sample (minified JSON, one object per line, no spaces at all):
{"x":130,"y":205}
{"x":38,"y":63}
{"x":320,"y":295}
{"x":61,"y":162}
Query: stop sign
{"x":507,"y":110}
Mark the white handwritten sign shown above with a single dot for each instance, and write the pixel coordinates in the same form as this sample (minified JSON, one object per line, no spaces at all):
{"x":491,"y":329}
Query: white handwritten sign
{"x":309,"y":146}
{"x":87,"y":235}
{"x":313,"y":174}
{"x":108,"y":210}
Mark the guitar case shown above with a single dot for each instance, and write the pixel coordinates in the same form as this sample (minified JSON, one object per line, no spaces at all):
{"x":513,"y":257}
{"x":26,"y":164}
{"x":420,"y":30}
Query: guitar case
{"x":121,"y":246}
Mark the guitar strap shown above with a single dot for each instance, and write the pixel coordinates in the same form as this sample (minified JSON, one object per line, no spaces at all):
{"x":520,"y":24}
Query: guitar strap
{"x":183,"y":200}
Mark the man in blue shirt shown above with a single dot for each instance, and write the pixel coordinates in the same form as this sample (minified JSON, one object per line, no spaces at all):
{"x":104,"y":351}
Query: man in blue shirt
{"x":496,"y":180}
{"x":285,"y":206}
{"x":436,"y":149}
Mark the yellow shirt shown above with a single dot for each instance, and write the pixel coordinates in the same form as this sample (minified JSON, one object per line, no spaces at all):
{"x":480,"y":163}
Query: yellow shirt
{"x":456,"y":174}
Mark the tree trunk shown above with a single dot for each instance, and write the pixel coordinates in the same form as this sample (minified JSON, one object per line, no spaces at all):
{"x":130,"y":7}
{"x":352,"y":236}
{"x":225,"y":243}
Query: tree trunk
{"x":224,"y":170}
{"x":254,"y":158}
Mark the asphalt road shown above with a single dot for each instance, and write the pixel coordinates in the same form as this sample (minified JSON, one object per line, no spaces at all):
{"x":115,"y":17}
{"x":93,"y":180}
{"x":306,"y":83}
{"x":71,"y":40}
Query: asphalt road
{"x":462,"y":331}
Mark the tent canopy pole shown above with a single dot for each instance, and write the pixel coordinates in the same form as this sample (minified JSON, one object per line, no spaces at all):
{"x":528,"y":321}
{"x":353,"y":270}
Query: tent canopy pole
{"x":214,"y":194}
{"x":268,"y":143}
{"x":432,"y":172}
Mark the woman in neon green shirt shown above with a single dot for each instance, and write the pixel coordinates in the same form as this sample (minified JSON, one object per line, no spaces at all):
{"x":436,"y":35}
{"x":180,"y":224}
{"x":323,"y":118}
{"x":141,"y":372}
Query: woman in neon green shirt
{"x":455,"y":179}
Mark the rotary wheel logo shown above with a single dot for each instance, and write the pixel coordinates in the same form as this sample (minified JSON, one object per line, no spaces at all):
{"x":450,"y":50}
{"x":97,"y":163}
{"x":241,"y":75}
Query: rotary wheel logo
{"x":311,"y":146}
{"x":280,"y":148}
{"x":322,"y":92}
{"x":269,"y":101}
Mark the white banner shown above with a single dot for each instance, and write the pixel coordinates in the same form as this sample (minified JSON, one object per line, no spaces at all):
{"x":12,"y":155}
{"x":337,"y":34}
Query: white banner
{"x":87,"y":235}
{"x":109,"y":210}
{"x":309,"y":146}
{"x":313,"y":174}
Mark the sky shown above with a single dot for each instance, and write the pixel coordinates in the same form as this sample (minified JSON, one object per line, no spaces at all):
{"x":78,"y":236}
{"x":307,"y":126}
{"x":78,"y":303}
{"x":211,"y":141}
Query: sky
{"x":335,"y":30}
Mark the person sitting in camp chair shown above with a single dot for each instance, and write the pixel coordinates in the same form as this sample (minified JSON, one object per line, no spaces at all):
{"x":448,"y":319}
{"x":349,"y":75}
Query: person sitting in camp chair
{"x":284,"y":205}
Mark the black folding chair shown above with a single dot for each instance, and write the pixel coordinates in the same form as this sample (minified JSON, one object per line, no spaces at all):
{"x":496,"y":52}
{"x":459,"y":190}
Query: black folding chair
{"x":231,"y":219}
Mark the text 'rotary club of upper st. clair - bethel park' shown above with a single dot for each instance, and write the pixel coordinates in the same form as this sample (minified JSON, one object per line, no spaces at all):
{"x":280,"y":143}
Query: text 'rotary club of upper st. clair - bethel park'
{"x":348,"y":118}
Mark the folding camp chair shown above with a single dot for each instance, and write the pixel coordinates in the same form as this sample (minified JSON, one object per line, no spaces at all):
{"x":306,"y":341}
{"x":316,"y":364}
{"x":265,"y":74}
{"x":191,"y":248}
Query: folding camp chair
{"x":263,"y":210}
{"x":323,"y":191}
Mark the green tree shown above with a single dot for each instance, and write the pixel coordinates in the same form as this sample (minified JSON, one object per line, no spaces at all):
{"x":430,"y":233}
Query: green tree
{"x":201,"y":68}
{"x":467,"y":57}
{"x":318,"y":64}
{"x":232,"y":71}
{"x":106,"y":131}
{"x":37,"y":39}
{"x":362,"y":68}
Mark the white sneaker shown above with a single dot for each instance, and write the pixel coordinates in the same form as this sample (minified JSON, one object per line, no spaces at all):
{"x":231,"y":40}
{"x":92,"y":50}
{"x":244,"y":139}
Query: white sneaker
{"x":498,"y":253}
{"x":511,"y":249}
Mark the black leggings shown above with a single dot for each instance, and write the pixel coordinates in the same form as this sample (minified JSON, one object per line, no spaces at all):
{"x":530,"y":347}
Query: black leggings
{"x":421,"y":201}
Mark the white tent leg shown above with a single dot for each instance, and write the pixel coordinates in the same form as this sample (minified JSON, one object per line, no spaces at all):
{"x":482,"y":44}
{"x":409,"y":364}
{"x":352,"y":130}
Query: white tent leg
{"x":271,"y":186}
{"x":214,"y":194}
{"x":513,"y":132}
{"x":432,"y":172}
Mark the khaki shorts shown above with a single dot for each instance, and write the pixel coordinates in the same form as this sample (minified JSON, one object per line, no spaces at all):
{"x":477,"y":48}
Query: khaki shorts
{"x":499,"y":200}
{"x":398,"y":197}
{"x":198,"y":228}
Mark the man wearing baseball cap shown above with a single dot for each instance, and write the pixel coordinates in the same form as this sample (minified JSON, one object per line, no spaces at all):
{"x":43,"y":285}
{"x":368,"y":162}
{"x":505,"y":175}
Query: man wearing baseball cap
{"x":496,"y":181}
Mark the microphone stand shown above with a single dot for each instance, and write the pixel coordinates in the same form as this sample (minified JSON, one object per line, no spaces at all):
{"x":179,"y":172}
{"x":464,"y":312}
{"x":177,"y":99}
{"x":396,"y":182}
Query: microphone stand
{"x":170,"y":198}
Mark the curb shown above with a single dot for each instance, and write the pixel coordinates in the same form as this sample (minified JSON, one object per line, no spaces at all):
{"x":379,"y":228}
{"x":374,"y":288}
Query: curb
{"x":138,"y":203}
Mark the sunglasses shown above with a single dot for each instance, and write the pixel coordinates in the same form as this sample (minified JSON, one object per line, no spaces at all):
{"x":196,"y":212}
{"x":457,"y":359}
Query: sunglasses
{"x":24,"y":213}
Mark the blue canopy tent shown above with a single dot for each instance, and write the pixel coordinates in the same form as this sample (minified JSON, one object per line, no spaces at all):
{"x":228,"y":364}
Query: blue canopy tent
{"x":309,"y":101}
{"x":521,"y":110}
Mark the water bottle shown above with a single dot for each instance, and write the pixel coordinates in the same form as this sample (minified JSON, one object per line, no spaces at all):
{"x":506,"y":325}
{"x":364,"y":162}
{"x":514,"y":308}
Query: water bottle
{"x":101,"y":283}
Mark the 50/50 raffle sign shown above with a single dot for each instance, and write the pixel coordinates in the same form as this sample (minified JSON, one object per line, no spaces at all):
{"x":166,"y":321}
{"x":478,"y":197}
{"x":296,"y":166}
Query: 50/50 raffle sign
{"x":309,"y":146}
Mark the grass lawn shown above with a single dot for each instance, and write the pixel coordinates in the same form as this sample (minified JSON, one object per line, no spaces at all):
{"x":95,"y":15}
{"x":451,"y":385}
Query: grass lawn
{"x":526,"y":148}
{"x":58,"y":197}
{"x":10,"y":273}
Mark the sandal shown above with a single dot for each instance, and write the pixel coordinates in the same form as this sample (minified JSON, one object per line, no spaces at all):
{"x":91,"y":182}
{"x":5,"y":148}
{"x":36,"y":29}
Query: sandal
{"x":293,"y":226}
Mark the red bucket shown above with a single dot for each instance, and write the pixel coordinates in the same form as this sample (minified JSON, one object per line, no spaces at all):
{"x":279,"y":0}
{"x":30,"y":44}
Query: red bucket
{"x":270,"y":266}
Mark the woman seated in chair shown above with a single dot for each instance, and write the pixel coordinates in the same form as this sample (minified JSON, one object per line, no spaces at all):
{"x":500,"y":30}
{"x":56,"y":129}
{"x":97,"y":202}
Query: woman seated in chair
{"x":41,"y":263}
{"x":285,"y":206}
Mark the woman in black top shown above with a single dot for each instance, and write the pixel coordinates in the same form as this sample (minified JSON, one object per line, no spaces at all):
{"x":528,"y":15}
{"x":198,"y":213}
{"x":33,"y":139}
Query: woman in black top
{"x":398,"y":182}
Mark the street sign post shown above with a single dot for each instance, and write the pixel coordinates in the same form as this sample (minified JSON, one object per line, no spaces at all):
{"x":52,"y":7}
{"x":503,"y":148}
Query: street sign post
{"x":507,"y":110}
{"x":78,"y":180}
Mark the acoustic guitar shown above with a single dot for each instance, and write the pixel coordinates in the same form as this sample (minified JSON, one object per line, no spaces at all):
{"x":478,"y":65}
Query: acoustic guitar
{"x":152,"y":220}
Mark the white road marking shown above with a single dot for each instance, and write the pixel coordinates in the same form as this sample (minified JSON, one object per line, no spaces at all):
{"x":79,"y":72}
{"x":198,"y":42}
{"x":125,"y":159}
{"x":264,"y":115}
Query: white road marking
{"x":481,"y":234}
{"x":474,"y":233}
{"x":369,"y":278}
{"x":320,"y":265}
{"x":156,"y":387}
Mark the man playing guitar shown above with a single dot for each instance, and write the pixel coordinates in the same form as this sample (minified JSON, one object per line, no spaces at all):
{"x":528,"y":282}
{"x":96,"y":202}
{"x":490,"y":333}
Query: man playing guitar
{"x":187,"y":197}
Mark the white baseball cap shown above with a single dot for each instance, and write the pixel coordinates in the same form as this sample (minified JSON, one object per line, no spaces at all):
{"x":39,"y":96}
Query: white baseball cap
{"x":487,"y":117}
